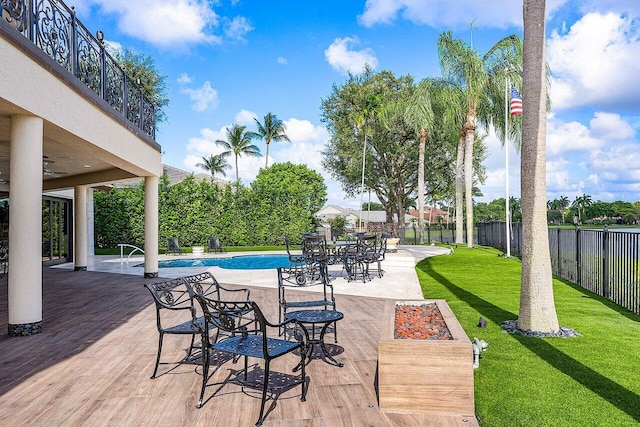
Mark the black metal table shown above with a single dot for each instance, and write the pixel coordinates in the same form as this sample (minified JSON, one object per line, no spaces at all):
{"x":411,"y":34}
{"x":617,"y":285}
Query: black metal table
{"x":313,"y":318}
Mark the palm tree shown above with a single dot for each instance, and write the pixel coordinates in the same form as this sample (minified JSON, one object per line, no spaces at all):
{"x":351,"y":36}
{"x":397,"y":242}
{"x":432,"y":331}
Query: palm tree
{"x":581,"y":203}
{"x":272,"y":129}
{"x":479,"y":79}
{"x":537,"y":308}
{"x":361,"y":117}
{"x":239,"y":143}
{"x":563,"y":204}
{"x":215,"y":164}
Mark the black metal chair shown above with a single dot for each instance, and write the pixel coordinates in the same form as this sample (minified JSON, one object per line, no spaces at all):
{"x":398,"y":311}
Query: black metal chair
{"x":379,"y":255}
{"x":204,"y":284}
{"x":175,"y":296}
{"x":173,"y":246}
{"x":214,"y":245}
{"x":316,"y":256}
{"x":288,"y":279}
{"x":248,"y":331}
{"x":358,"y":258}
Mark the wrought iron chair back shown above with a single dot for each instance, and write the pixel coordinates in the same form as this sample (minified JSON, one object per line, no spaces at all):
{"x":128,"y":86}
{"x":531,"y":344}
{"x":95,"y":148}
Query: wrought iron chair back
{"x":316,"y":256}
{"x":248,"y":331}
{"x":174,"y":296}
{"x":173,"y":246}
{"x":214,"y":245}
{"x":288,"y":278}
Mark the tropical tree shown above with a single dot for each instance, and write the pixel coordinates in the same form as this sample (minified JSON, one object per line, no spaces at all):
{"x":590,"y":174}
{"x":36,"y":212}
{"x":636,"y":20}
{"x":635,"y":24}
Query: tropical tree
{"x":581,"y":203}
{"x":537,"y":307}
{"x":563,"y":204}
{"x":478,"y":78}
{"x":239,"y":143}
{"x":271,"y":129}
{"x":141,"y":68}
{"x":391,"y":163}
{"x":215,"y":164}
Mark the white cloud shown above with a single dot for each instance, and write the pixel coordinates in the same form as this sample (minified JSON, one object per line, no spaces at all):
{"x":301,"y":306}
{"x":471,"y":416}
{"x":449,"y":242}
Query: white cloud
{"x":493,"y":13}
{"x":237,"y":28}
{"x":282,"y":60}
{"x":564,"y":137}
{"x":344,"y":60}
{"x":245,"y":117}
{"x":594,"y":64}
{"x":610,"y":126}
{"x":203,"y":98}
{"x":185,"y":78}
{"x":442,"y":14}
{"x":601,"y":158}
{"x":164,"y":23}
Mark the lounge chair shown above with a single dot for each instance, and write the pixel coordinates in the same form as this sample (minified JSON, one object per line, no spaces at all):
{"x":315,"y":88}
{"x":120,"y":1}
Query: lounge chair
{"x":173,"y":246}
{"x":214,"y":245}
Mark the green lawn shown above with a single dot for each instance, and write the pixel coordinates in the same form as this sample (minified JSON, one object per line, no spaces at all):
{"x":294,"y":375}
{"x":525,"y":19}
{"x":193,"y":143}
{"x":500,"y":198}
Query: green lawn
{"x":593,"y":380}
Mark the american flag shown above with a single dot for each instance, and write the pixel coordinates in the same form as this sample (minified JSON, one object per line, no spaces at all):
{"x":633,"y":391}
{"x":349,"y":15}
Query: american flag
{"x":516,"y":102}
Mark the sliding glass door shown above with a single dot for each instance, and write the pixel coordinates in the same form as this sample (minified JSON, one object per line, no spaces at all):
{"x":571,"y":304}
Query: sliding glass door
{"x":56,"y":230}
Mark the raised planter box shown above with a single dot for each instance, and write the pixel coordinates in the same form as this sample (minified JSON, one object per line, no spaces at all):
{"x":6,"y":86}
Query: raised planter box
{"x":425,"y":376}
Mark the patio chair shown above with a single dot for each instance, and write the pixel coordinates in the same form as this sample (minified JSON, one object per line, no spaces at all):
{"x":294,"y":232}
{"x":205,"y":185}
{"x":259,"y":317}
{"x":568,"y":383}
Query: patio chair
{"x":173,"y":246}
{"x":356,"y":261}
{"x":204,"y":284}
{"x":248,"y":332}
{"x":316,"y":256}
{"x":174,"y":296}
{"x":214,"y":245}
{"x":379,"y":255}
{"x":288,"y":279}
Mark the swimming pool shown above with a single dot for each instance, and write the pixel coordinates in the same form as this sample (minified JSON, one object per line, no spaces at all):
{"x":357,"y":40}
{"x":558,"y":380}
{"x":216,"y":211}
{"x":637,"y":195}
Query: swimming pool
{"x":244,"y":262}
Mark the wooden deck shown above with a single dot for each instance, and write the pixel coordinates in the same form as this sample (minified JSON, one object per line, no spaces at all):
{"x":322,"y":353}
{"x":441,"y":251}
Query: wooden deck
{"x":91,"y":366}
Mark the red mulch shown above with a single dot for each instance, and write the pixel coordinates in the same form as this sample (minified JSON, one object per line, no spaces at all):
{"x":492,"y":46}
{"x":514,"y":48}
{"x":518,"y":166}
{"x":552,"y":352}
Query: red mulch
{"x":420,"y":322}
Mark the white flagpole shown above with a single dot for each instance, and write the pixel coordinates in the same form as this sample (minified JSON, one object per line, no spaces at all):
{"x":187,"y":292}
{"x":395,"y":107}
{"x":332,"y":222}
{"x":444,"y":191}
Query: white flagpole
{"x":506,"y":167}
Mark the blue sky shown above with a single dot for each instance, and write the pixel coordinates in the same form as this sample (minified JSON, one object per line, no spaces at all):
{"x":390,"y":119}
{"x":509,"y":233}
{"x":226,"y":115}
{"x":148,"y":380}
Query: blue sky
{"x":228,"y":61}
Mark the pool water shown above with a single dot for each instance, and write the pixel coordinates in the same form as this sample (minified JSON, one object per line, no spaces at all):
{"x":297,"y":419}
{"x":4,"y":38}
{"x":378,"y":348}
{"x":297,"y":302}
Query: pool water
{"x":244,"y":262}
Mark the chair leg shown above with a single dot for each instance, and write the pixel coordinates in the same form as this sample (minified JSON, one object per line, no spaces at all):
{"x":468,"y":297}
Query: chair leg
{"x":193,"y":340}
{"x":265,"y":386}
{"x":155,"y":370}
{"x":303,"y":398}
{"x":205,"y":375}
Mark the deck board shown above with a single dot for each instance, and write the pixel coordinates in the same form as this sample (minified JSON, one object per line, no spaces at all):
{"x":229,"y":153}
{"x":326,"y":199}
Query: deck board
{"x":92,"y":365}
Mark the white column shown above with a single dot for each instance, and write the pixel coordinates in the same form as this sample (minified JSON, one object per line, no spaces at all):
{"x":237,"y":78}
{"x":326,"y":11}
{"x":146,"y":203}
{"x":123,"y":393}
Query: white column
{"x":80,"y":228}
{"x":151,"y":226}
{"x":25,"y":226}
{"x":90,"y":224}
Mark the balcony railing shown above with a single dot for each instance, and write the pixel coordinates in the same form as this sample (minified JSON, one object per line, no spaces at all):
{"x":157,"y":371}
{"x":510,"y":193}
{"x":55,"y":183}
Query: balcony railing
{"x":53,"y":27}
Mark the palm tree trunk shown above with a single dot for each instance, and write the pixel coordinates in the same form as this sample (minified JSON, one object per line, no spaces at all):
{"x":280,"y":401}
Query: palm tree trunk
{"x":237,"y":176}
{"x":468,"y":184}
{"x":537,"y":308}
{"x":423,"y":139}
{"x":459,"y":197}
{"x":266,"y":157}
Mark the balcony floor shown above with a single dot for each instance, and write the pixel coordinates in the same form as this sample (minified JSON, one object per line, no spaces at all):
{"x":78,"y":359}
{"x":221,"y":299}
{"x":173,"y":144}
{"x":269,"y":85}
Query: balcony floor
{"x":92,"y":363}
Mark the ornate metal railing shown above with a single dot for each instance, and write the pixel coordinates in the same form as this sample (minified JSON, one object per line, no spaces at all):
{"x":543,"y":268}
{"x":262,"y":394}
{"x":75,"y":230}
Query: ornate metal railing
{"x":54,"y":28}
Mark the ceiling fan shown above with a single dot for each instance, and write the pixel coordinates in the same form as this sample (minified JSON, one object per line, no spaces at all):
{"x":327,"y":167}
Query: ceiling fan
{"x":46,"y":171}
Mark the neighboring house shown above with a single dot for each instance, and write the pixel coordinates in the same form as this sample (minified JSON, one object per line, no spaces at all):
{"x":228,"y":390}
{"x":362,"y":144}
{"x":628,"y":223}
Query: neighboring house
{"x":374,"y":220}
{"x":431,"y":214}
{"x":70,"y":121}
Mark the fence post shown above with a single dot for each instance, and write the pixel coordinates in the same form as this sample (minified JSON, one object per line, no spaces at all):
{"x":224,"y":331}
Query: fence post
{"x":605,"y":263}
{"x":578,"y":257}
{"x":559,"y":263}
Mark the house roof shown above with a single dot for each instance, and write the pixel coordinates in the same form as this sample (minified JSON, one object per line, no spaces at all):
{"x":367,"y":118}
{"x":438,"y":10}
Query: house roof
{"x":331,"y":211}
{"x":178,"y":175}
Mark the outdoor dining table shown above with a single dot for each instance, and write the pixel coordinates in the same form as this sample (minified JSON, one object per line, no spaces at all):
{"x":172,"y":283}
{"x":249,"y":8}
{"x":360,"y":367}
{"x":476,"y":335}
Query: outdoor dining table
{"x":313,"y":318}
